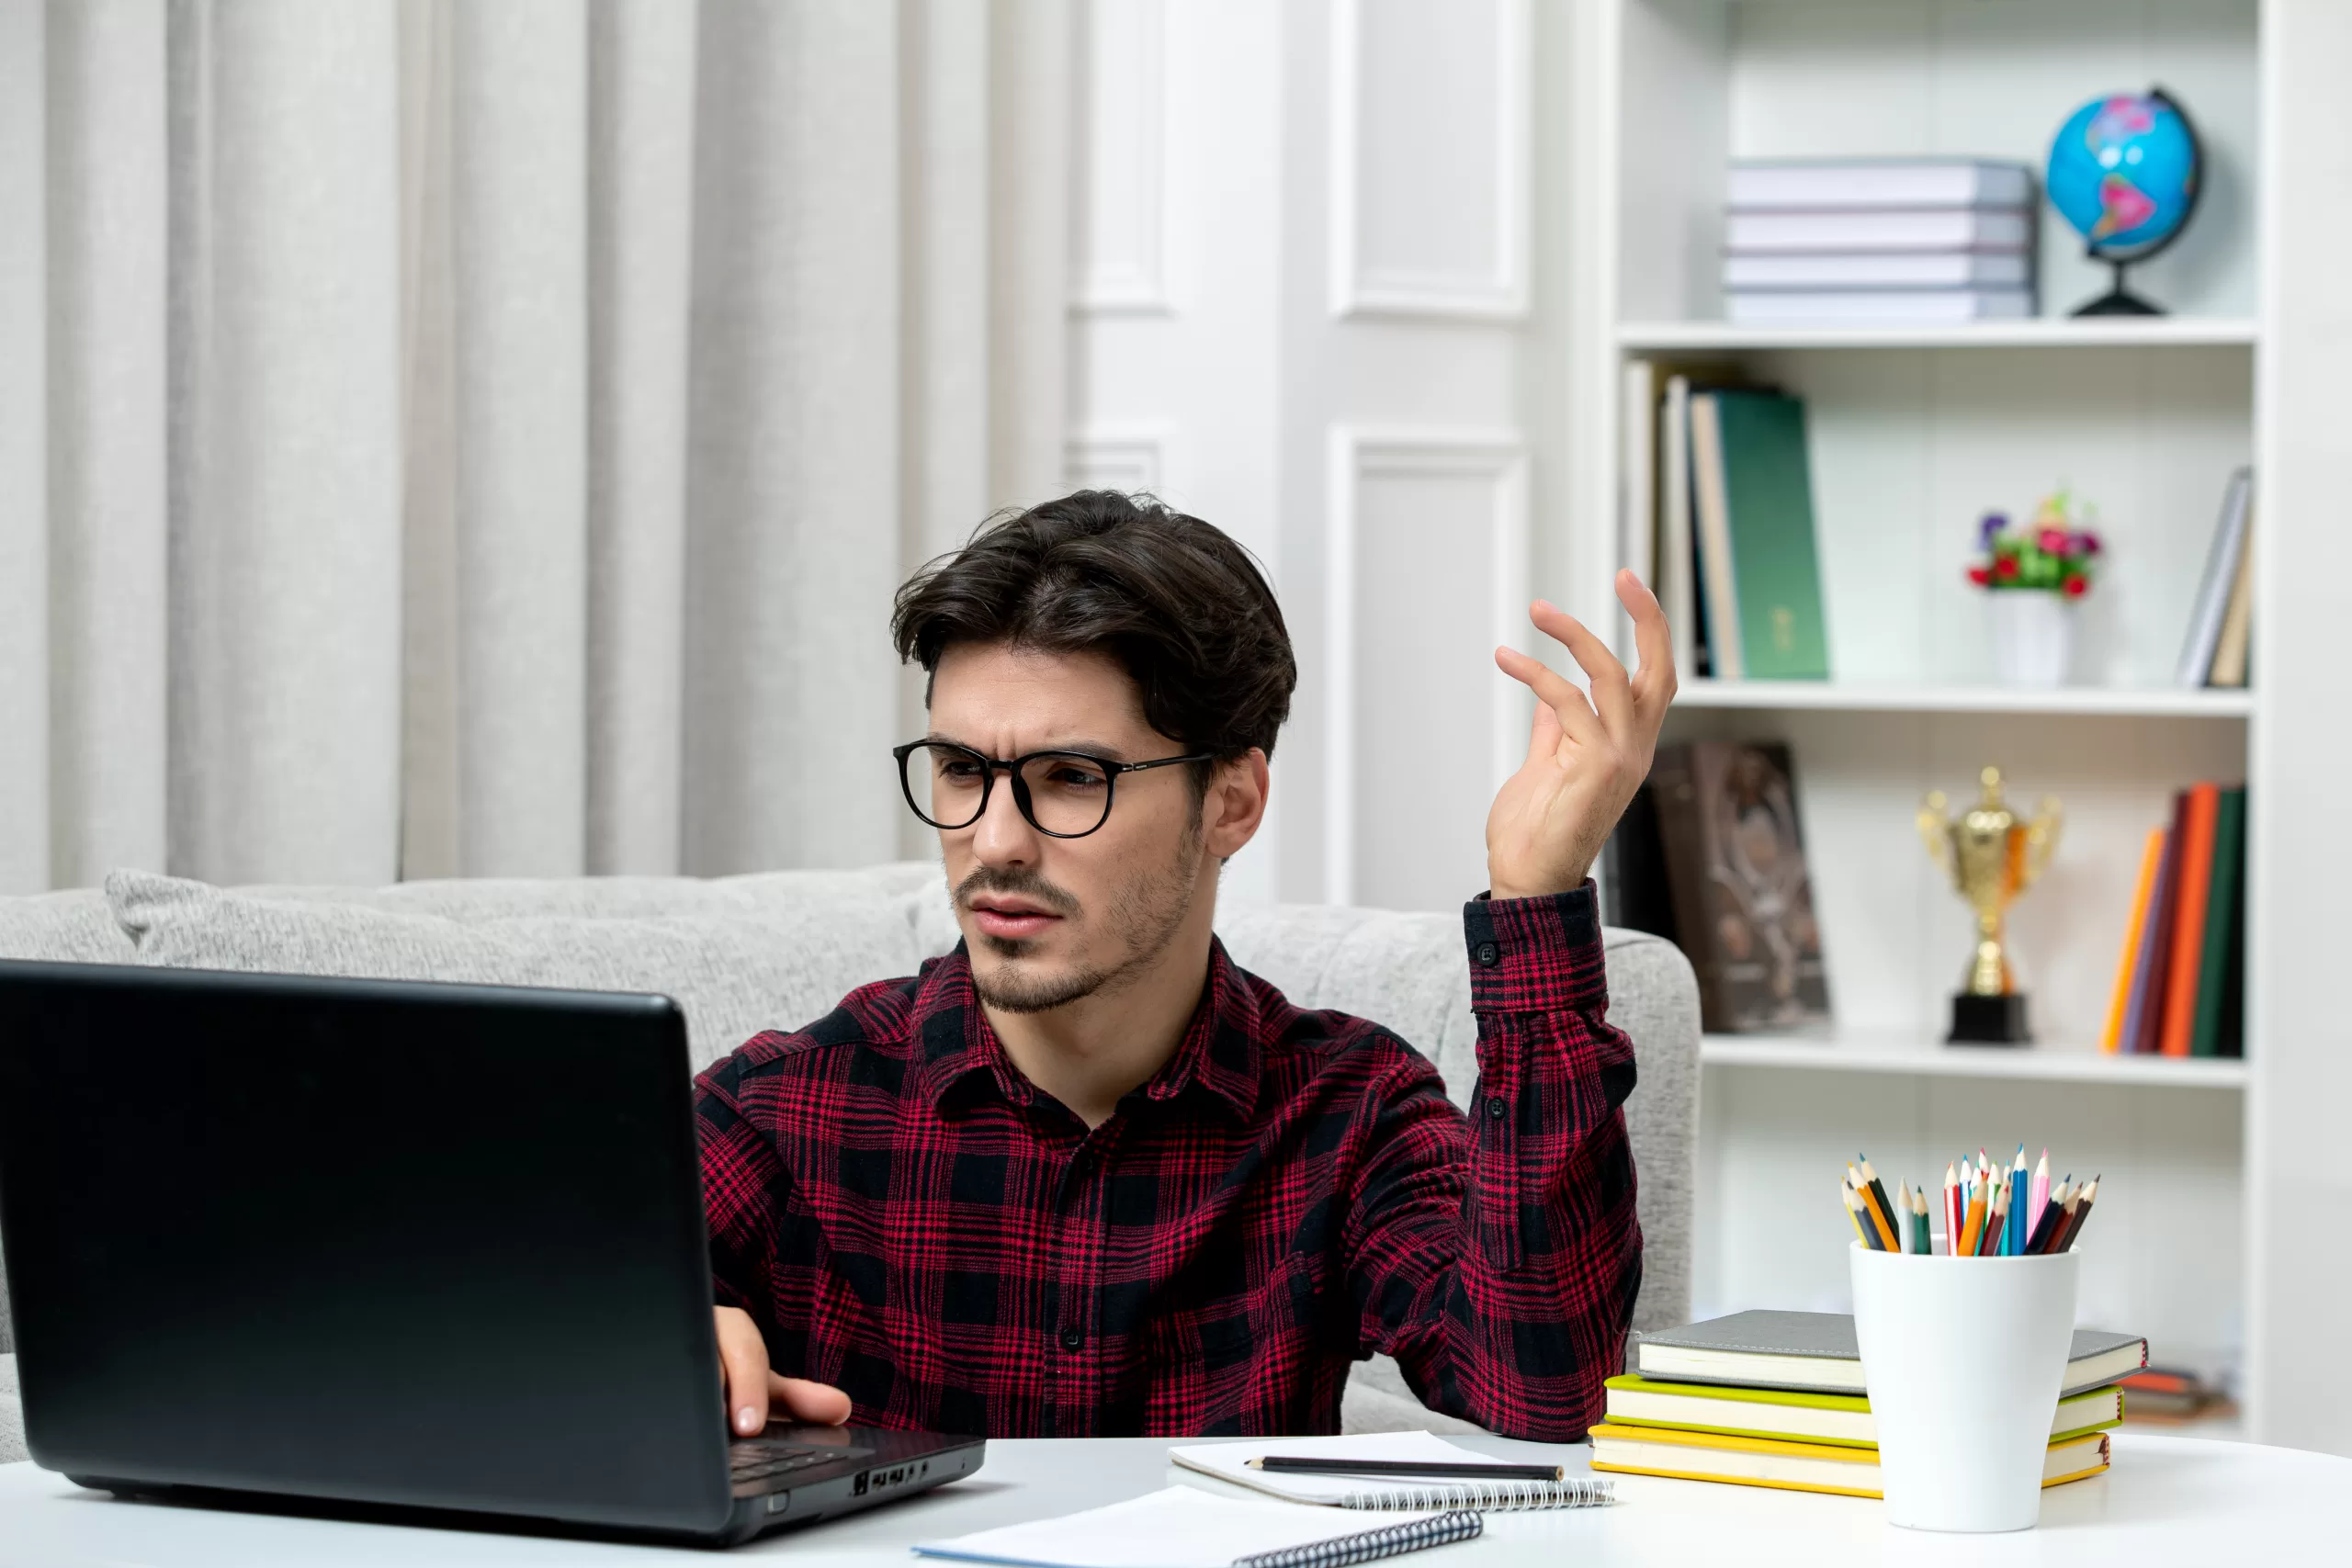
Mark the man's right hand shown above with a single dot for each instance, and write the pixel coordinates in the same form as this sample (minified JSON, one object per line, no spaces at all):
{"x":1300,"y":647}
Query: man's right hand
{"x":753,"y":1389}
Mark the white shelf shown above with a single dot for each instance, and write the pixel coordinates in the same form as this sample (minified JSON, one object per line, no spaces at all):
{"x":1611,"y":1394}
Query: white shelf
{"x":2054,"y":332}
{"x":1865,"y":1052}
{"x":2153,"y":702}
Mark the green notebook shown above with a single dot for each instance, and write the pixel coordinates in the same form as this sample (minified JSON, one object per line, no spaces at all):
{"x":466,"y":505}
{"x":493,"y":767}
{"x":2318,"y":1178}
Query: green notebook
{"x":1795,"y":1416}
{"x":2225,"y":910}
{"x":1768,"y":496}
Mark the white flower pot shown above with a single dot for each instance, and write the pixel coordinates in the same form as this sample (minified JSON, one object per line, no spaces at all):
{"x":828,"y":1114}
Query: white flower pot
{"x":2033,"y":636}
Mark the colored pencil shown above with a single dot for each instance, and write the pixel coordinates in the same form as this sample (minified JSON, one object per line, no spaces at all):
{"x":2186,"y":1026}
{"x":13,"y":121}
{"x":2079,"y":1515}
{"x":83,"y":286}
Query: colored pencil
{"x":1877,"y":1187}
{"x":2065,"y":1243}
{"x":1971,"y":1229}
{"x":1878,"y":1216}
{"x":1952,"y":1210}
{"x":2040,"y":1197}
{"x":1996,"y":1224}
{"x":2013,"y":1238}
{"x":1920,"y":1242}
{"x":2052,"y":1214}
{"x":1854,"y":1216}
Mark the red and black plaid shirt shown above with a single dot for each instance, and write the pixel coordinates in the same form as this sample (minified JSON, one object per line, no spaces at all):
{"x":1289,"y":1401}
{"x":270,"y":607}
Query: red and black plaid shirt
{"x":907,"y":1217}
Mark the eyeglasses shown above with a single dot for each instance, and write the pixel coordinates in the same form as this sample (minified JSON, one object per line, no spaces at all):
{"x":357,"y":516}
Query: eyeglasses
{"x":1065,"y":795}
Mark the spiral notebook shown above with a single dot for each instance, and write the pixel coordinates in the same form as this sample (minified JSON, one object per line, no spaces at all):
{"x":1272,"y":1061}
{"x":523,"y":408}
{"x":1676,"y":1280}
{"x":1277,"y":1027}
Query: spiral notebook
{"x":1183,"y":1527}
{"x":1228,"y":1461}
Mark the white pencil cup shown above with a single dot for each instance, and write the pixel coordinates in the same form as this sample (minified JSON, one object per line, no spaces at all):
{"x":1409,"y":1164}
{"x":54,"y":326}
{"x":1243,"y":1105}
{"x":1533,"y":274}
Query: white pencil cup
{"x":1963,"y":1359}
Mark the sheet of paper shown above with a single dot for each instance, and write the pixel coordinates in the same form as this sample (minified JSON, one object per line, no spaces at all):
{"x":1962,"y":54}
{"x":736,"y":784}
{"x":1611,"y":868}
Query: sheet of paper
{"x":1182,"y":1527}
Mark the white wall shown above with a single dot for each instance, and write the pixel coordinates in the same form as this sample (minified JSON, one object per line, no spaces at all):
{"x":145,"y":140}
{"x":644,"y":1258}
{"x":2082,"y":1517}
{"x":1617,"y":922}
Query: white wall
{"x":1311,"y":308}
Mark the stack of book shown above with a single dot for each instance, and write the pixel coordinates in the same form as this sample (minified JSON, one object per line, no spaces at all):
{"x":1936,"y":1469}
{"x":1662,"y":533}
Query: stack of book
{"x":2180,"y":980}
{"x":1878,"y":240}
{"x":1776,"y":1399}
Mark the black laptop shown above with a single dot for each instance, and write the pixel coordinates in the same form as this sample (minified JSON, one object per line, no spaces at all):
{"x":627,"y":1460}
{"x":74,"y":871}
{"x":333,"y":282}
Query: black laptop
{"x":384,"y":1243}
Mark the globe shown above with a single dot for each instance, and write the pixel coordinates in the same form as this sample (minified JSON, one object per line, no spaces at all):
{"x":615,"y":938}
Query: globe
{"x":2123,"y":171}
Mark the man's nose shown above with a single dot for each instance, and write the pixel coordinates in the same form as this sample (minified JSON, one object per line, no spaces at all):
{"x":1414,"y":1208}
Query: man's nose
{"x":1002,"y":835}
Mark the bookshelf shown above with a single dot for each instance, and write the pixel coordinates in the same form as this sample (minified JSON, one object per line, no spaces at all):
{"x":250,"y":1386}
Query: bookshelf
{"x":1862,"y":1052}
{"x":1913,"y":433}
{"x":1863,"y":696}
{"x":2113,"y":332}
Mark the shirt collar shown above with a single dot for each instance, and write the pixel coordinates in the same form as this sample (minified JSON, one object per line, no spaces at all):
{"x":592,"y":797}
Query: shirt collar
{"x":1219,"y":1052}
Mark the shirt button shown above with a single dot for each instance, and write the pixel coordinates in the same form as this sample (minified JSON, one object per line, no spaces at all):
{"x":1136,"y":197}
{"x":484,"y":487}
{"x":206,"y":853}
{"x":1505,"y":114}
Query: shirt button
{"x":1488,"y":954}
{"x":1072,"y":1336}
{"x":1496,"y":1108}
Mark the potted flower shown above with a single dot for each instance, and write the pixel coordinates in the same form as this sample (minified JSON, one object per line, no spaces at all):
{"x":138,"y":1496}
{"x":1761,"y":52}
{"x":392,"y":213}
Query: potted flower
{"x":2033,"y":577}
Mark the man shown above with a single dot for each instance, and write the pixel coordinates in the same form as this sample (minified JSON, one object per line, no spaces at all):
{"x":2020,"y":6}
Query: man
{"x":1083,"y":1176}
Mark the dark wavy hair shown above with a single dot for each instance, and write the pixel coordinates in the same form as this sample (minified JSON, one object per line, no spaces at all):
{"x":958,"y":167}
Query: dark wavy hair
{"x":1179,"y":605}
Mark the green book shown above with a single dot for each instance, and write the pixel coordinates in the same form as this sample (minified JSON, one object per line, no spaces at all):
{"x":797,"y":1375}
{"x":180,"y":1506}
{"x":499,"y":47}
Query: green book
{"x":1767,"y":502}
{"x":2225,"y":906}
{"x":1797,"y":1417}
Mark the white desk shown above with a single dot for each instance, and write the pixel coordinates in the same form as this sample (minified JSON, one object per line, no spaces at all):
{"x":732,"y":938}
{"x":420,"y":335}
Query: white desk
{"x":2168,"y":1500}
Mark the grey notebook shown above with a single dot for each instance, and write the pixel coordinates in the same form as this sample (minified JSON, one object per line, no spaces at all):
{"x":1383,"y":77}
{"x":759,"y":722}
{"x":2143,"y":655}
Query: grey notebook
{"x":1815,"y":1351}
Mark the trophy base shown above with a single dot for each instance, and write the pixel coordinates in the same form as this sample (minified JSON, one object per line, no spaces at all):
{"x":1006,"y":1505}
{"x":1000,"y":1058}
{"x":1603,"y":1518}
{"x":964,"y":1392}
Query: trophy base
{"x":1988,"y":1021}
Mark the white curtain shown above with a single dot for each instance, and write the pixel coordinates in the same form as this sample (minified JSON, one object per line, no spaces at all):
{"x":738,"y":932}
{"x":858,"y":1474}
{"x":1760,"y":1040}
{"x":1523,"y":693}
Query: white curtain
{"x":479,"y":437}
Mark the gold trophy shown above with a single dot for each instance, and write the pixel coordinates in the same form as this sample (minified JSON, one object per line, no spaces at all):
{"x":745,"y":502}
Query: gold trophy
{"x":1993,"y":856}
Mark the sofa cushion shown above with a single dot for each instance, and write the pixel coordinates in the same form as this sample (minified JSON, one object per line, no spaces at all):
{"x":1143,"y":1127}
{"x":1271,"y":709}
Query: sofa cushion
{"x":772,"y":963}
{"x":71,"y":927}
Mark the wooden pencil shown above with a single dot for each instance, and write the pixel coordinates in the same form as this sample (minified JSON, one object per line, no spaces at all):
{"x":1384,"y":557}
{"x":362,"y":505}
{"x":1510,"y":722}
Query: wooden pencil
{"x":1878,"y":1217}
{"x":1972,"y":1229}
{"x":1854,"y":1216}
{"x":1952,"y":1210}
{"x":2065,"y":1243}
{"x":2052,"y":1212}
{"x":1878,"y":1190}
{"x":1920,"y":1242}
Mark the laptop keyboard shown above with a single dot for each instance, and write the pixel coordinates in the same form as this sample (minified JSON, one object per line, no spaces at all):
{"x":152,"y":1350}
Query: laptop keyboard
{"x":759,"y":1459}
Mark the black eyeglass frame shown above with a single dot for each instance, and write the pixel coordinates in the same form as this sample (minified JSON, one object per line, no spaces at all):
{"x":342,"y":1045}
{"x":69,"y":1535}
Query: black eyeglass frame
{"x":1011,"y":767}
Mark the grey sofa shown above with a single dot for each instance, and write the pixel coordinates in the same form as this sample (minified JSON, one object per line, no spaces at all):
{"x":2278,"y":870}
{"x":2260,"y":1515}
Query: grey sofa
{"x":745,"y":952}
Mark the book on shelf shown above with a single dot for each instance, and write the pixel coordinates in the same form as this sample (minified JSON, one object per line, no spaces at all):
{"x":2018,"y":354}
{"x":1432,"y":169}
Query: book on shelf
{"x":2127,"y":968}
{"x":1797,"y":1467}
{"x":1872,"y":232}
{"x":2184,"y":939}
{"x":1815,"y":184}
{"x":1802,"y":1417}
{"x":1753,"y":481}
{"x":1655,"y":524}
{"x":1881,"y":269}
{"x":1878,"y":307}
{"x":2223,"y":906}
{"x":2217,"y":587}
{"x":1730,"y":840}
{"x":2189,"y":919}
{"x":1817,"y":1352}
{"x":2228,"y":667}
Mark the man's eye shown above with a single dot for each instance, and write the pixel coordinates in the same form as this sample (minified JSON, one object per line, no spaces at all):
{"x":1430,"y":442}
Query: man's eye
{"x":1075,"y":778}
{"x":961,"y":772}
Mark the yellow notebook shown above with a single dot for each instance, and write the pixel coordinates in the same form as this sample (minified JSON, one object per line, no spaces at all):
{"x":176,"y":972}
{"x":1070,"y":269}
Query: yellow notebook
{"x":1796,"y":1467}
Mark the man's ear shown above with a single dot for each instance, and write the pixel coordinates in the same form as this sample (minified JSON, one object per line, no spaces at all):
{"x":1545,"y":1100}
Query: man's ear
{"x":1237,"y":803}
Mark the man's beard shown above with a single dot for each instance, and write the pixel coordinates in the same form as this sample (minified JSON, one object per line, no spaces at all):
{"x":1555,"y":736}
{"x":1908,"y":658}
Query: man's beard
{"x":1142,"y":917}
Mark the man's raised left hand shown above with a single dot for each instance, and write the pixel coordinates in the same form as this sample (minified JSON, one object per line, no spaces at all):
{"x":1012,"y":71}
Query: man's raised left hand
{"x":1585,"y":756}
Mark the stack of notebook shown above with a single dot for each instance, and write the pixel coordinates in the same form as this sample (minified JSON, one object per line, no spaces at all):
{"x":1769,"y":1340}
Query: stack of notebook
{"x":1776,"y":1399}
{"x":1889,"y":240}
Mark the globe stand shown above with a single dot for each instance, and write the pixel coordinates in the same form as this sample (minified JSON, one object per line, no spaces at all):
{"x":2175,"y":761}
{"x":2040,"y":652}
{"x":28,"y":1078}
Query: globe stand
{"x":2119,"y":301}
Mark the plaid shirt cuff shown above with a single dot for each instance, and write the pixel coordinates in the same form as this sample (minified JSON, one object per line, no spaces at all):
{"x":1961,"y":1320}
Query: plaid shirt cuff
{"x":1538,"y":954}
